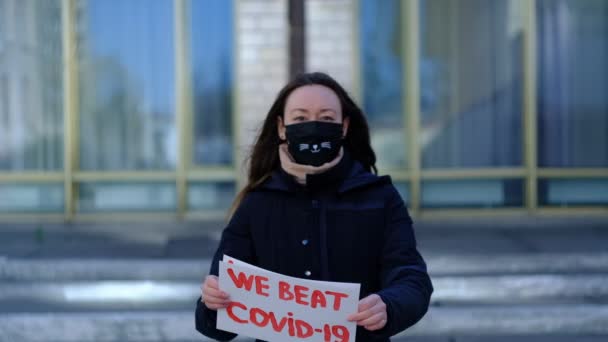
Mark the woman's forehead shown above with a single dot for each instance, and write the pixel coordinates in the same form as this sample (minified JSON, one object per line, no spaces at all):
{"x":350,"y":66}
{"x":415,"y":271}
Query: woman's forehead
{"x":313,"y":98}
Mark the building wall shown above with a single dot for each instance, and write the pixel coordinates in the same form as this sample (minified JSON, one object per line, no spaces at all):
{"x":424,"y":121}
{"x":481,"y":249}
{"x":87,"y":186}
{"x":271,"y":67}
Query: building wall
{"x":475,"y":72}
{"x":261,"y":63}
{"x":331,"y":40}
{"x":30,"y":86}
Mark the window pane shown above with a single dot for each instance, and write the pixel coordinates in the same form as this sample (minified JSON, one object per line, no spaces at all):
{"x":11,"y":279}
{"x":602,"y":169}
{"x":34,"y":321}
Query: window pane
{"x":573,"y":192}
{"x":486,"y":193}
{"x":211,"y":196}
{"x":2,"y":23}
{"x":212,"y":76}
{"x":404,"y":191}
{"x":382,"y":75}
{"x":106,"y":196}
{"x":31,"y":198}
{"x":471,"y":83}
{"x":127,"y":85}
{"x":572,"y":83}
{"x":31,"y":86}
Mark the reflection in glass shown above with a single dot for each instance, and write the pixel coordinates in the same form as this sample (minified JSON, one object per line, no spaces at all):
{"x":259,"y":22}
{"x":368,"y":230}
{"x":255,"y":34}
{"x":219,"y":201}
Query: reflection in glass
{"x":31,"y":198}
{"x":211,"y":196}
{"x":106,"y":196}
{"x":31,"y":85}
{"x":381,"y":63}
{"x":573,"y":192}
{"x":572,"y":83}
{"x":471,"y":83}
{"x":212,"y":43}
{"x":126,"y":57}
{"x":486,"y":193}
{"x":404,"y":191}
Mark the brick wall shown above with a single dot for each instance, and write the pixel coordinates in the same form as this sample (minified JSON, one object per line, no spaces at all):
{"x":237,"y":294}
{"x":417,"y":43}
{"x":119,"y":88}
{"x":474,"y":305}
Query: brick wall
{"x":261,"y":64}
{"x":331,"y":40}
{"x":263,"y":48}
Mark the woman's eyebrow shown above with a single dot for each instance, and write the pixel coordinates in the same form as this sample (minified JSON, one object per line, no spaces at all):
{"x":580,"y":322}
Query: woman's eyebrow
{"x":299,"y":110}
{"x":323,"y":110}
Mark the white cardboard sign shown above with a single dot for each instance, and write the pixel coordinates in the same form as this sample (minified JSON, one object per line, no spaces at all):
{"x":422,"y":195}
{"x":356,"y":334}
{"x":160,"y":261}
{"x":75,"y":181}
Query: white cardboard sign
{"x":274,"y":307}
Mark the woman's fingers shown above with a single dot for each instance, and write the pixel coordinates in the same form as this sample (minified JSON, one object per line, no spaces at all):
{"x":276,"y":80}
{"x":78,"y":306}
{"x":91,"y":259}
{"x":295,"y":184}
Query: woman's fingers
{"x":210,"y":288}
{"x":372,"y":313}
{"x":368,"y":302}
{"x":216,"y":306}
{"x":377,"y":326}
{"x":215,"y":300}
{"x":363,"y":315}
{"x":211,"y":281}
{"x":372,"y":320}
{"x":368,"y":307}
{"x":212,"y":296}
{"x":215,"y":293}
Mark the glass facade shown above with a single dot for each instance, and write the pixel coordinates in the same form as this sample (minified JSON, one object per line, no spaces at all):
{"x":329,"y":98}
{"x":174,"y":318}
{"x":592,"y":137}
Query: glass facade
{"x":485,"y":193}
{"x":212,"y":45}
{"x":470,"y":84}
{"x":31,"y":96}
{"x":473,"y":105}
{"x":404,"y":190}
{"x":572,"y":103}
{"x":31,"y":198}
{"x":132,"y":196}
{"x":572,"y":83}
{"x":573,"y":192}
{"x":127,"y":105}
{"x":211,"y":196}
{"x":382,"y":81}
{"x":471,"y":110}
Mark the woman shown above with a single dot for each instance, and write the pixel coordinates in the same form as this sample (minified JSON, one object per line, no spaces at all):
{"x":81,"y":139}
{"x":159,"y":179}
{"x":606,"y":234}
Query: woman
{"x":313,"y":209}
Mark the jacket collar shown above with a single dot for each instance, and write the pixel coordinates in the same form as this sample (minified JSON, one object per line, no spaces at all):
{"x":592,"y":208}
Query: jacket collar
{"x":355,"y":176}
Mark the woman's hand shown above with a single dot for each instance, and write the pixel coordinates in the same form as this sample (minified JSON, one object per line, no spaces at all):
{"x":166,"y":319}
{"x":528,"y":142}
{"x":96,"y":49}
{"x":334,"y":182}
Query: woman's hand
{"x":372,"y":313}
{"x":212,"y":296}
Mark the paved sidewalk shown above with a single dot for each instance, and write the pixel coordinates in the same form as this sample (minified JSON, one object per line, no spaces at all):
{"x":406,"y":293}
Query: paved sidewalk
{"x":497,"y":280}
{"x":174,"y":240}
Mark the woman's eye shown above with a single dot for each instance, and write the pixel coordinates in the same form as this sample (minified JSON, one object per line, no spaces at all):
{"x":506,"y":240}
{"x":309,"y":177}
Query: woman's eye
{"x":299,"y":118}
{"x":327,"y":118}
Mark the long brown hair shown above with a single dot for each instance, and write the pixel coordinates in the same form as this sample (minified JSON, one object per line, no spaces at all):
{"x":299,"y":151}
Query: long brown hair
{"x":264,"y":158}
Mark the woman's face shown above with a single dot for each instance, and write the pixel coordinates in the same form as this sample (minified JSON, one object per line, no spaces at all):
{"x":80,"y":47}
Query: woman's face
{"x":312,"y":103}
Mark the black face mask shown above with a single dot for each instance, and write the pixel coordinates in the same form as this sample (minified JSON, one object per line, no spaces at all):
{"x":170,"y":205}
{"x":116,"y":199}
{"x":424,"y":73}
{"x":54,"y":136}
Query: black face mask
{"x":314,"y":142}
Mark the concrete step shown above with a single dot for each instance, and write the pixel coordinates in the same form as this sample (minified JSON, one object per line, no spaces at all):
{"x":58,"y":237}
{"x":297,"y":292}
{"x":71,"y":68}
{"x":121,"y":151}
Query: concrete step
{"x":503,"y":338}
{"x":513,"y":320}
{"x":168,"y":326}
{"x":510,"y":289}
{"x":190,"y":269}
{"x":181,"y":295}
{"x":528,"y":297}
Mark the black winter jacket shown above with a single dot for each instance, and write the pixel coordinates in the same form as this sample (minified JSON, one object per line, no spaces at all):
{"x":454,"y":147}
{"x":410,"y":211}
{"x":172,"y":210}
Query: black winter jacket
{"x":345,"y":225}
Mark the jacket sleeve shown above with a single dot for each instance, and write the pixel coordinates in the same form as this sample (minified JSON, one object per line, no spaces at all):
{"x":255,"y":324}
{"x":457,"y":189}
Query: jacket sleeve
{"x":406,"y":286}
{"x":236,"y":242}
